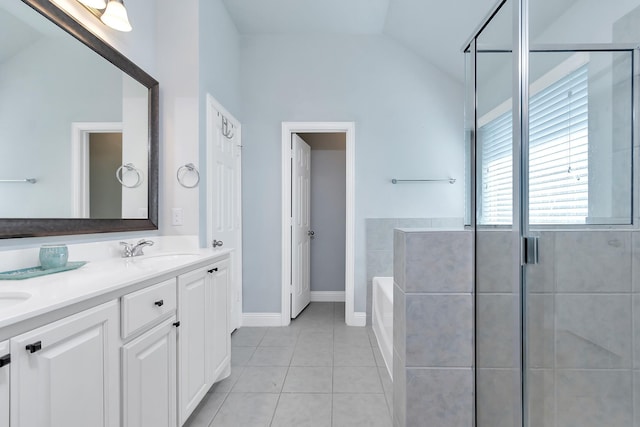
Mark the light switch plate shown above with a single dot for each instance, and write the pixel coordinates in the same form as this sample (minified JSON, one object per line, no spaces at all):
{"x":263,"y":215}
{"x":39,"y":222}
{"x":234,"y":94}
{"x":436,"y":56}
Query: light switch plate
{"x":176,"y":216}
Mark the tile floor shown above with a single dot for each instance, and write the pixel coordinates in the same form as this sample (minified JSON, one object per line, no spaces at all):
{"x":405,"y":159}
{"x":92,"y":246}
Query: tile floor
{"x":315,"y":372}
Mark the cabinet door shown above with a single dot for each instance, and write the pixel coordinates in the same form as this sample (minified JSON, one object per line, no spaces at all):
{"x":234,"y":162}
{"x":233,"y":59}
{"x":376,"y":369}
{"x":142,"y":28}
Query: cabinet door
{"x":4,"y":383}
{"x":149,"y":378}
{"x":66,"y":374}
{"x":221,"y":345}
{"x":193,"y":340}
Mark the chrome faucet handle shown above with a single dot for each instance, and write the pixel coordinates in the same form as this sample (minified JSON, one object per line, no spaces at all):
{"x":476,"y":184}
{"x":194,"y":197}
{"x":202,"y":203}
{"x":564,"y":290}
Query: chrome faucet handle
{"x":127,"y":250}
{"x":136,"y":249}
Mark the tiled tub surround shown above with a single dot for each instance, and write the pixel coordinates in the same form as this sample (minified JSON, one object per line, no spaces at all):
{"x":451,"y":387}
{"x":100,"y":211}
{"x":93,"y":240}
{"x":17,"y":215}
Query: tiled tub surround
{"x":583,"y":323}
{"x":379,"y":244}
{"x":433,"y":328}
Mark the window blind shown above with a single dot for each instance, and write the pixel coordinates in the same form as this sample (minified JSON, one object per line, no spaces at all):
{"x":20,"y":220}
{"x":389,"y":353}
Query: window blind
{"x":558,"y":157}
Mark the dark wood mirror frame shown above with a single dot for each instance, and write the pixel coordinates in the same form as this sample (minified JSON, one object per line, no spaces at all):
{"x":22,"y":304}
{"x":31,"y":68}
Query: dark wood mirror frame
{"x":39,"y":227}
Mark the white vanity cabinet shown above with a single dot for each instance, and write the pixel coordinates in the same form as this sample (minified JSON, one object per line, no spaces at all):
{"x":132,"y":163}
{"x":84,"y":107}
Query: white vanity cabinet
{"x":149,"y":378}
{"x":149,"y":362}
{"x":194,"y":294}
{"x":221,"y":345}
{"x":5,"y":360}
{"x":66,"y":374}
{"x":145,"y":358}
{"x":203,"y":337}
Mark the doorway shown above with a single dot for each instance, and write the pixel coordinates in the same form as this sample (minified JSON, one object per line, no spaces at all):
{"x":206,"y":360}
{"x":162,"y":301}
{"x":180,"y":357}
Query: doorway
{"x":90,"y":143}
{"x":328,"y":215}
{"x":293,"y":239}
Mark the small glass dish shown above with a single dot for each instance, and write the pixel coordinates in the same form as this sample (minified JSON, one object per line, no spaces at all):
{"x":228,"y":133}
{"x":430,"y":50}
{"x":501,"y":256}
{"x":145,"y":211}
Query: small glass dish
{"x":53,"y":256}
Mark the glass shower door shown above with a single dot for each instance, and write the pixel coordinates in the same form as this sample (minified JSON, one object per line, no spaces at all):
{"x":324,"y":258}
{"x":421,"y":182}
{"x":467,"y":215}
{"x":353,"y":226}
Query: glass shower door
{"x":579,"y":306}
{"x":578,"y":301}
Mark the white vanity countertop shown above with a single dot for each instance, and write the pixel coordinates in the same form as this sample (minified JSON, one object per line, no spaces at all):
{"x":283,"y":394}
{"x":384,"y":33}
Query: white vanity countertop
{"x":95,"y":279}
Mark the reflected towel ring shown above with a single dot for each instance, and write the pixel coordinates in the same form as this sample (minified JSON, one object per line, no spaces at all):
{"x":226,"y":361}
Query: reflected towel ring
{"x":129,"y":168}
{"x":183,"y":170}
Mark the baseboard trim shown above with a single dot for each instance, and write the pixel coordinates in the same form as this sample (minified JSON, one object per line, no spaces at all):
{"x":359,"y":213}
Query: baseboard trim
{"x":261,"y":319}
{"x":359,"y":318}
{"x":327,"y":296}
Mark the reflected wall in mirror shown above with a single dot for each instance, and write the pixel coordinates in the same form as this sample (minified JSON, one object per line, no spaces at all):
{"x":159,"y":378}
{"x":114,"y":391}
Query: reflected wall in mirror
{"x":78,"y":129}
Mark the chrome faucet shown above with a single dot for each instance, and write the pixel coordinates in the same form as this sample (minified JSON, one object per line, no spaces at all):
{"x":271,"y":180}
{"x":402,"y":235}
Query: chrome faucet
{"x":130,"y":249}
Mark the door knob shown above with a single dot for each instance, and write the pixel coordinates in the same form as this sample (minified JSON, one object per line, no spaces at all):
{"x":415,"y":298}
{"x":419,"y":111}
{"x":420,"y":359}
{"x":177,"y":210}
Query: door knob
{"x":217,"y":243}
{"x":311,"y":233}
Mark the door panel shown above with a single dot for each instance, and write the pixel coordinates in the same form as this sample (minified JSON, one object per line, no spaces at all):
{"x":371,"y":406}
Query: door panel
{"x":225,"y":210}
{"x":221,"y":339}
{"x":193,"y":348}
{"x":301,"y":225}
{"x":149,"y":372}
{"x":79,"y":360}
{"x":4,"y":386}
{"x":579,"y":301}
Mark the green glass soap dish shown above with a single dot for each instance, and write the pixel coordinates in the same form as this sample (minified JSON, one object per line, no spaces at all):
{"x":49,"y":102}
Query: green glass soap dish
{"x":28,"y":273}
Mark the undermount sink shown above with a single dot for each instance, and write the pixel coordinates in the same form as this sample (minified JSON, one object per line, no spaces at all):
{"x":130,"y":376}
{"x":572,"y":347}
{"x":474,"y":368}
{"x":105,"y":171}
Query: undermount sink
{"x":8,"y":299}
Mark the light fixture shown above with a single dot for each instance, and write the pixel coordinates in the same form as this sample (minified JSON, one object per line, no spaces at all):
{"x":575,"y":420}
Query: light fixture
{"x":112,"y":13}
{"x":96,"y":4}
{"x":115,"y":16}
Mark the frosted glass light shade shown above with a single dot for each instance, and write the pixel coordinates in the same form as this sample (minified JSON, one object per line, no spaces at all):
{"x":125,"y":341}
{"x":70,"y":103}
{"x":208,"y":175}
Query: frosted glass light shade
{"x":115,"y":16}
{"x":96,"y":4}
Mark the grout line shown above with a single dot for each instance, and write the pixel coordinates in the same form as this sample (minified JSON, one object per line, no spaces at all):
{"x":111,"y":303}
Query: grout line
{"x":218,"y":410}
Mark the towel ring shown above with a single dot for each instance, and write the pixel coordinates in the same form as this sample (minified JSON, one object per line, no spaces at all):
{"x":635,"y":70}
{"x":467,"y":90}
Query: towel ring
{"x":129,"y":168}
{"x":183,"y":170}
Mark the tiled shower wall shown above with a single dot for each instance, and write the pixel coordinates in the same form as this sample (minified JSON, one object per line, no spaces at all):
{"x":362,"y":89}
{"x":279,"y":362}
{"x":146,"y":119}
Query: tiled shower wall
{"x":583,"y":315}
{"x":433,"y":329}
{"x":379,"y":244}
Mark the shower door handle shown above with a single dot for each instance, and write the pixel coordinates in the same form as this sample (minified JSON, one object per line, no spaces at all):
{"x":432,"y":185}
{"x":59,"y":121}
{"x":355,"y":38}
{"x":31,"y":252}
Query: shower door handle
{"x":529,"y":250}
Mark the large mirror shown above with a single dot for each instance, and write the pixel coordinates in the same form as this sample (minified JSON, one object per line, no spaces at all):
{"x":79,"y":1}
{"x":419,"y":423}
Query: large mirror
{"x":78,"y":129}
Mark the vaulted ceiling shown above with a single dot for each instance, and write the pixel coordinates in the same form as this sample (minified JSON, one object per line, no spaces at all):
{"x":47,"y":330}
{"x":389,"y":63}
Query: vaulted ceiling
{"x":433,"y":29}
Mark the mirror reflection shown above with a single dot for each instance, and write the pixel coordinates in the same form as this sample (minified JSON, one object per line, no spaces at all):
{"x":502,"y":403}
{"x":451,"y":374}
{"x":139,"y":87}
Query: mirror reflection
{"x":74,"y":129}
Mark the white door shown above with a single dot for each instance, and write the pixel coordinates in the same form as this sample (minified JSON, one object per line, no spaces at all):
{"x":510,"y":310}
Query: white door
{"x":193,"y":340}
{"x":149,"y":378}
{"x":301,"y":225}
{"x":224,"y":213}
{"x":77,"y":358}
{"x":5,"y":359}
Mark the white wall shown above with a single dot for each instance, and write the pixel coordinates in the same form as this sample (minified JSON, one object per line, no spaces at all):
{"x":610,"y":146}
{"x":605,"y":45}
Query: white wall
{"x":178,"y":73}
{"x":408,"y":117}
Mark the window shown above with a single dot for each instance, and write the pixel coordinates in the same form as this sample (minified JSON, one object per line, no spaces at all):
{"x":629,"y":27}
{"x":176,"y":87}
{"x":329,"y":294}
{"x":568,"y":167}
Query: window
{"x":558,"y":157}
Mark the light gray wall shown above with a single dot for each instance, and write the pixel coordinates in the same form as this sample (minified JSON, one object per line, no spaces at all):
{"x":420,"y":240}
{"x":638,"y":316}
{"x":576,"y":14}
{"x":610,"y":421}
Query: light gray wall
{"x":409,"y":124}
{"x":219,"y":51}
{"x":328,"y":209}
{"x":199,"y":56}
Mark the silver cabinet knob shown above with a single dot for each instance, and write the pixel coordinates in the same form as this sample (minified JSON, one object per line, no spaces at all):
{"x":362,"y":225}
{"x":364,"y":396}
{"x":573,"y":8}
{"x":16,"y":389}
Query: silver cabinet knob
{"x":217,"y":243}
{"x":311,"y":233}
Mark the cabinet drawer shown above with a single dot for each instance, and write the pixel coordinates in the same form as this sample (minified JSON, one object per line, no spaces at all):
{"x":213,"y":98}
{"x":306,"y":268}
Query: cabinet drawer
{"x":145,"y":307}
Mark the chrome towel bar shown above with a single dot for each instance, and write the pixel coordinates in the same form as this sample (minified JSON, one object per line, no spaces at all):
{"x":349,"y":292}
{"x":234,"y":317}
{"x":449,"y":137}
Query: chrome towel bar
{"x":449,"y":180}
{"x":19,"y":181}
